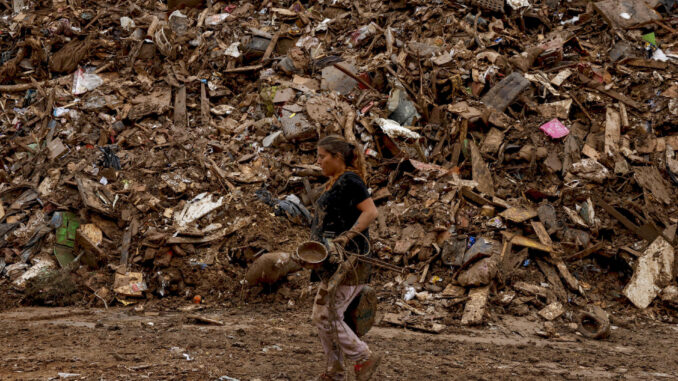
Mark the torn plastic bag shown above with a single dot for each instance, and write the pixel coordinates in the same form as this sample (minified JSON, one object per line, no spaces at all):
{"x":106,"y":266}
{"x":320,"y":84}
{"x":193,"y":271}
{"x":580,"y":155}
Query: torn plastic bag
{"x":35,"y":242}
{"x":483,"y":247}
{"x":291,"y":207}
{"x":110,"y":159}
{"x":84,"y":81}
{"x":199,"y":206}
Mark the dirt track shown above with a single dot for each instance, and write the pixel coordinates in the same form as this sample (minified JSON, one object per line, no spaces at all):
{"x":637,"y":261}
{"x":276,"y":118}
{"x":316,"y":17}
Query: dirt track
{"x":256,"y":342}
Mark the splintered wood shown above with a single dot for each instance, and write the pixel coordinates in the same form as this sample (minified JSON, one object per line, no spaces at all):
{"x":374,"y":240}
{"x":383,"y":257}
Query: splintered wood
{"x":401,"y":321}
{"x":612,"y":131}
{"x":475,"y":307}
{"x":481,"y":173}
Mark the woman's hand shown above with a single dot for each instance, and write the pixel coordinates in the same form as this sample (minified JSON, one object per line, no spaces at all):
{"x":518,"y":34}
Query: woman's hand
{"x":344,"y":238}
{"x":368,"y":214}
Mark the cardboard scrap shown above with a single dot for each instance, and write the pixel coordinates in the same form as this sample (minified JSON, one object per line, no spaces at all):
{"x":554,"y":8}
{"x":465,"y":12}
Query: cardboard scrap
{"x":88,"y":238}
{"x":519,"y":214}
{"x":92,"y":196}
{"x":492,"y":142}
{"x":55,"y":147}
{"x":651,"y":179}
{"x":130,"y":284}
{"x":559,"y":109}
{"x":561,"y":77}
{"x":453,"y":291}
{"x":626,"y":13}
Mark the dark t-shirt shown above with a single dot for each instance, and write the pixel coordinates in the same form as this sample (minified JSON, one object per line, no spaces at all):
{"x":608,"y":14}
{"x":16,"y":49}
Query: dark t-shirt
{"x":336,"y":212}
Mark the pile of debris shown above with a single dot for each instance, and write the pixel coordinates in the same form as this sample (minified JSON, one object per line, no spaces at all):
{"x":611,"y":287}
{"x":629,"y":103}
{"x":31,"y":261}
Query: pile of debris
{"x":157,"y":149}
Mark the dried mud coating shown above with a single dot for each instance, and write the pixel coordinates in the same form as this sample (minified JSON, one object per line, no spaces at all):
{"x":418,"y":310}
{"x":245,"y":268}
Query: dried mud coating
{"x":270,"y":268}
{"x":122,"y":344}
{"x":311,"y":254}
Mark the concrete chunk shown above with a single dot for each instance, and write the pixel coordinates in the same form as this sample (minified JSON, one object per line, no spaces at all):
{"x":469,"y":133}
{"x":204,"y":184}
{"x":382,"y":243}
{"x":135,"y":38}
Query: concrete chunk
{"x":654,"y":270}
{"x":475,"y":307}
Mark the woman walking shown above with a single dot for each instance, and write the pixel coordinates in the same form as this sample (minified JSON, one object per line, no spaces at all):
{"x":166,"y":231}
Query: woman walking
{"x":344,"y":212}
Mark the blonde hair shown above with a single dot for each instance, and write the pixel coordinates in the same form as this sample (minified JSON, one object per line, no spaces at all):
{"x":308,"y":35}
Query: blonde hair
{"x":349,"y":152}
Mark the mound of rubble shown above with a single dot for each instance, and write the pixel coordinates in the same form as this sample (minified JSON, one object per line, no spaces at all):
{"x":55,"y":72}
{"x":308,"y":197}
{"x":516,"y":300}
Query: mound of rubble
{"x":521,"y":153}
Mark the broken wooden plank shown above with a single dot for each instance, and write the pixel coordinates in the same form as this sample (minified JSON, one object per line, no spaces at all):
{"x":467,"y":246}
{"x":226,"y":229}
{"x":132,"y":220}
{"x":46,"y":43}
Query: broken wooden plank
{"x":543,"y":235}
{"x":594,"y":85}
{"x":511,"y":263}
{"x":644,"y":233}
{"x":204,"y":319}
{"x":271,"y":47}
{"x":471,"y":195}
{"x":640,"y":62}
{"x":61,"y":81}
{"x":124,"y":249}
{"x":204,"y":106}
{"x":408,"y":307}
{"x":396,"y":319}
{"x":478,"y":199}
{"x":570,"y":280}
{"x":625,"y":14}
{"x":612,"y":131}
{"x":242,"y":69}
{"x":534,"y":290}
{"x":553,"y":278}
{"x":180,"y":115}
{"x":481,"y":172}
{"x":505,"y":92}
{"x":586,"y":252}
{"x":519,"y":240}
{"x":475,"y":307}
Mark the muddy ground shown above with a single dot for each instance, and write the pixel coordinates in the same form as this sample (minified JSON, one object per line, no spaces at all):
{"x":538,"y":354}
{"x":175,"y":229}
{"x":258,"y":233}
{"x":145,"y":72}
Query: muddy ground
{"x":277,"y":342}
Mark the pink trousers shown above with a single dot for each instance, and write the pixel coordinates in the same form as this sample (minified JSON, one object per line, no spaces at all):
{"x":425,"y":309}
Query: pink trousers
{"x":336,"y":336}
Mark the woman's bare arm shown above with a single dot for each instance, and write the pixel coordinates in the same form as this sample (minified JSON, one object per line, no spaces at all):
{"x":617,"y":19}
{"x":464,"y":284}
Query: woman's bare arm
{"x":368,"y":214}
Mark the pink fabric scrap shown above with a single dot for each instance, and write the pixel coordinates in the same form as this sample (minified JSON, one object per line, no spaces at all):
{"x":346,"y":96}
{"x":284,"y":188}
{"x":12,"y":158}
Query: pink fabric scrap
{"x":555,"y":129}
